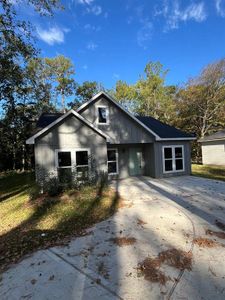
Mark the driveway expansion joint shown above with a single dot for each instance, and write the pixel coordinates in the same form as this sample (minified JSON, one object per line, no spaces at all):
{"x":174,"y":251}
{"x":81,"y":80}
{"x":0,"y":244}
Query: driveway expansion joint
{"x":87,"y":274}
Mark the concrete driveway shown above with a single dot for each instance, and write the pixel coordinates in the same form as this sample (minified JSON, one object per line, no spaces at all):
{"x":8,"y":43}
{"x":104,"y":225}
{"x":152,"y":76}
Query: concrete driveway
{"x":166,"y":242}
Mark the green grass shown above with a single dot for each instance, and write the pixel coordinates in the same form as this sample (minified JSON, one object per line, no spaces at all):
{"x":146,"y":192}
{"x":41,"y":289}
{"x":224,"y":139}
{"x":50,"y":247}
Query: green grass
{"x":212,"y":172}
{"x":28,"y":225}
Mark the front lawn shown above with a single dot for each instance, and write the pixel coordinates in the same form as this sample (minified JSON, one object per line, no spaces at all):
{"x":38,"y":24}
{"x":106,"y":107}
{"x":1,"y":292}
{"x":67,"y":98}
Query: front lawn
{"x":212,"y":172}
{"x":28,"y":225}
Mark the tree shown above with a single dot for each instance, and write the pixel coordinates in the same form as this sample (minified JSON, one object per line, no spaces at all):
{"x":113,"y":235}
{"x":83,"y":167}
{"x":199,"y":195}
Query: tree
{"x":16,"y":45}
{"x":85,"y":92}
{"x":60,"y":70}
{"x":201,"y":103}
{"x":155,"y":99}
{"x":40,"y":85}
{"x":17,"y":48}
{"x":126,"y":95}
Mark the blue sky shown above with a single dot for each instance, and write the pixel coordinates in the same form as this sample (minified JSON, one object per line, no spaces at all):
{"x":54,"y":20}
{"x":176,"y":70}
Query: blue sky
{"x":111,"y":40}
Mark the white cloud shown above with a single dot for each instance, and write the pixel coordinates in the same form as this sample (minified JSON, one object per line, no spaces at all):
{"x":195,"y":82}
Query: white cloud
{"x":162,"y":10}
{"x":116,"y":76}
{"x":95,"y":9}
{"x":220,"y":7}
{"x":88,"y":2}
{"x":53,"y":35}
{"x":174,"y":14}
{"x":130,"y":20}
{"x":91,"y":46}
{"x":144,"y":34}
{"x":90,"y":28}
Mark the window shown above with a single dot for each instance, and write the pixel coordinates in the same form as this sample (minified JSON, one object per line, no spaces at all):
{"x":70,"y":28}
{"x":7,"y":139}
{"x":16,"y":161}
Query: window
{"x":112,"y":161}
{"x":173,"y":159}
{"x":102,"y":114}
{"x":64,"y":166}
{"x":82,"y":163}
{"x":72,"y":159}
{"x":64,"y":159}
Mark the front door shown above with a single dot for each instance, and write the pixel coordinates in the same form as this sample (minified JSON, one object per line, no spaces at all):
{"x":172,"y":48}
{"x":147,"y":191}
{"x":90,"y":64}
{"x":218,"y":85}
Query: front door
{"x":135,"y":157}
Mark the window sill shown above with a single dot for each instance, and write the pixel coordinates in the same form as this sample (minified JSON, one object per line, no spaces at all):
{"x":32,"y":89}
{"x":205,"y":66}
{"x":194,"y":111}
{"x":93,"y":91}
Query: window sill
{"x":169,"y":172}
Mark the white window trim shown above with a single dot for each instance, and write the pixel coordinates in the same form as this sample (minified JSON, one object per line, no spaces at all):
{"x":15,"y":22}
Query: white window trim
{"x":173,"y":159}
{"x":73,"y":157}
{"x":117,"y":161}
{"x":107,"y":114}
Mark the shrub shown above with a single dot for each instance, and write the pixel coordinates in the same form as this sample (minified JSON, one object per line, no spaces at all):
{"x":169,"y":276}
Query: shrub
{"x":34,"y":192}
{"x":53,"y":187}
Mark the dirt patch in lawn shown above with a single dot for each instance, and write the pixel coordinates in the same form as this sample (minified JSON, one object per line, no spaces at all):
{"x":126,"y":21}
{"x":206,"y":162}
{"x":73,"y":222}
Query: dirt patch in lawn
{"x":218,"y":234}
{"x":150,"y":267}
{"x":205,"y":243}
{"x":123,"y":241}
{"x":220,"y":225}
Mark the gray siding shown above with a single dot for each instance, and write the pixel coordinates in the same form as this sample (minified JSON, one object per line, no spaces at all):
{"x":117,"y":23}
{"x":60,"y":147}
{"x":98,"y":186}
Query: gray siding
{"x":159,"y":158}
{"x":71,"y":134}
{"x":213,"y":153}
{"x":149,"y":160}
{"x":121,"y":129}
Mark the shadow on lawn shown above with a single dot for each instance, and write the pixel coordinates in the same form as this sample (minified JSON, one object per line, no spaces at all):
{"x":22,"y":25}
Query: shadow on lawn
{"x":14,"y":184}
{"x":25,"y":238}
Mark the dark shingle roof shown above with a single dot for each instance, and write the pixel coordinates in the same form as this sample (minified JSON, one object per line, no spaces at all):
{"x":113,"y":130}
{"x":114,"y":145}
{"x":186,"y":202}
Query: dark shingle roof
{"x":219,"y":135}
{"x":163,"y":130}
{"x":47,"y":118}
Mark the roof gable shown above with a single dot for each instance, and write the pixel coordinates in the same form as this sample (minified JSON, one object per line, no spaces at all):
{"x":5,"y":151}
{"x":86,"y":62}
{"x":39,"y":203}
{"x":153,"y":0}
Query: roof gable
{"x":159,"y":130}
{"x":109,"y":98}
{"x":31,"y":140}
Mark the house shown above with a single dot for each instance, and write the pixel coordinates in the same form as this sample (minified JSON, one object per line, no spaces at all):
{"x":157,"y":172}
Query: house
{"x":213,"y":149}
{"x":119,"y":143}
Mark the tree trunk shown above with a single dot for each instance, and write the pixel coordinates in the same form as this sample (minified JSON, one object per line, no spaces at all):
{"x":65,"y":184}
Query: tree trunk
{"x":23,"y":158}
{"x":63,"y":102}
{"x":14,"y":158}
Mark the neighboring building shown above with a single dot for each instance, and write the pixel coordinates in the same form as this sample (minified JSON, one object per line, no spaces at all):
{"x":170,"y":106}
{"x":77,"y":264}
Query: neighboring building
{"x":119,"y":143}
{"x":213,"y":149}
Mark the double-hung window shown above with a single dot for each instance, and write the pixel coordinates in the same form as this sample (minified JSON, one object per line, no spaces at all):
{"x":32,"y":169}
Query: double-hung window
{"x":102,"y":115}
{"x":173,"y":159}
{"x":82,"y":164}
{"x":73,"y":159}
{"x":64,"y":164}
{"x":112,"y":161}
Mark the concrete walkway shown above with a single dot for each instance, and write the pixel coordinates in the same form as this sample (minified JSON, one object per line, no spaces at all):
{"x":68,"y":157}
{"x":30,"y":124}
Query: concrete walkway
{"x":158,"y":215}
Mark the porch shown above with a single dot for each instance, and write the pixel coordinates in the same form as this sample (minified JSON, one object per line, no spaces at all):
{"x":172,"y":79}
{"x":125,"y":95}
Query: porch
{"x":126,"y":160}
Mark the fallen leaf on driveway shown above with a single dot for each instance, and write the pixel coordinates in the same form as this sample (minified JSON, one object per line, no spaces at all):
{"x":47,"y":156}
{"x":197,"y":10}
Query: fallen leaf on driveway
{"x":33,"y":281}
{"x":205,"y":243}
{"x":123,"y":241}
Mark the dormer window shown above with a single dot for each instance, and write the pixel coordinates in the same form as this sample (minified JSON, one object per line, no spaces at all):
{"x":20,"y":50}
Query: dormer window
{"x":103,"y":115}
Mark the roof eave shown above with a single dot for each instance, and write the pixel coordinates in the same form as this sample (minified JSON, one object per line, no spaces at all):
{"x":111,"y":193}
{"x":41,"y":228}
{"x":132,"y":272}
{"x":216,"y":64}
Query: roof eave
{"x":178,"y":139}
{"x":211,"y":140}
